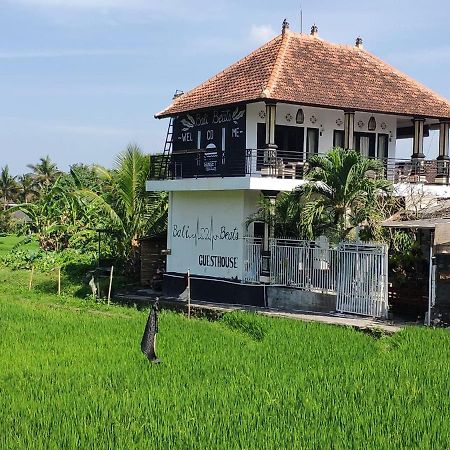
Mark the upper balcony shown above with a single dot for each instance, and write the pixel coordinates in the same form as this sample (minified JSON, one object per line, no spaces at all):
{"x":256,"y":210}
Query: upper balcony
{"x":279,"y":165}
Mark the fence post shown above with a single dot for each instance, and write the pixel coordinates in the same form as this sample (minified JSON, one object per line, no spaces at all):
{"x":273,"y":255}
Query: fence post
{"x":59,"y":280}
{"x":110,"y":283}
{"x":31,"y":278}
{"x":189,"y":292}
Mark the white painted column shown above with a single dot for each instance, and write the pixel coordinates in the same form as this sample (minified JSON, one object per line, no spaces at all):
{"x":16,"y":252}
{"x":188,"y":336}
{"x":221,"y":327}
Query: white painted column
{"x":270,"y":152}
{"x":443,"y":139}
{"x":269,"y":233}
{"x":443,"y":160}
{"x":271,"y":119}
{"x":418,"y":139}
{"x":349,"y":129}
{"x":417,"y":157}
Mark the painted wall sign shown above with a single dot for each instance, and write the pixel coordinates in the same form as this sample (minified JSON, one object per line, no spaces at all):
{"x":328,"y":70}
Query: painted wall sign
{"x":229,"y":262}
{"x":206,"y":230}
{"x":218,"y":133}
{"x":209,"y":233}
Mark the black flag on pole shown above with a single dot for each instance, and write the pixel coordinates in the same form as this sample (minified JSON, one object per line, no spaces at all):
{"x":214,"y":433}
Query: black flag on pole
{"x":148,"y":343}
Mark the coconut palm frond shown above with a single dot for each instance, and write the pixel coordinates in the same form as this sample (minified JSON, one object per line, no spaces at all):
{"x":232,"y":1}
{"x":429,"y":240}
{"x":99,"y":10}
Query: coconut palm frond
{"x":342,"y":191}
{"x":100,"y":204}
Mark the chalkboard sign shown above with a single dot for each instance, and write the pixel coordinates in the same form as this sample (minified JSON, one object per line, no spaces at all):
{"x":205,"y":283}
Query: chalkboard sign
{"x":210,"y":142}
{"x":210,"y":161}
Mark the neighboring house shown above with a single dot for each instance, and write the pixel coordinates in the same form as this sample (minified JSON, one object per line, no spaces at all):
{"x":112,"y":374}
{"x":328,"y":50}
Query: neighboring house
{"x":250,"y":129}
{"x":18,"y":216}
{"x":427,"y":289}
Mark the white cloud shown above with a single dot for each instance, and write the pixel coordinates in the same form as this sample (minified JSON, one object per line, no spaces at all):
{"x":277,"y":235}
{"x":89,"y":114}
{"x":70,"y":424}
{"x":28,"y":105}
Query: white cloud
{"x":155,"y":8}
{"x":88,"y":4}
{"x":422,"y":56}
{"x":260,"y":34}
{"x":26,"y":89}
{"x":73,"y":13}
{"x":69,"y":128}
{"x":70,"y":52}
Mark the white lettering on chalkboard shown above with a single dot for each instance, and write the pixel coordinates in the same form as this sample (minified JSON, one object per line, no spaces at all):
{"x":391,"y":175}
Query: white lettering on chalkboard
{"x":222,"y":117}
{"x":201,"y":119}
{"x":235,"y":132}
{"x":186,"y":137}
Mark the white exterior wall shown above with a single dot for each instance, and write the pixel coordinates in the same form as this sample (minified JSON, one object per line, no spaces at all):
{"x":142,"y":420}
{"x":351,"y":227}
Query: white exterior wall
{"x":323,"y":117}
{"x":206,"y":229}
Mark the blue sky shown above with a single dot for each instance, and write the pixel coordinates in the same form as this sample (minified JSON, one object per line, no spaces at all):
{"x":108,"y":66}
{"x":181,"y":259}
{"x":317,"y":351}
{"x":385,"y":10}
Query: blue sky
{"x":80,"y":79}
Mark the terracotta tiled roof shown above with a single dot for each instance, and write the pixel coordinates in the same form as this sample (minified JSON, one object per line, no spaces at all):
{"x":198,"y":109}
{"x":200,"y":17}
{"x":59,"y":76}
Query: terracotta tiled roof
{"x":307,"y":70}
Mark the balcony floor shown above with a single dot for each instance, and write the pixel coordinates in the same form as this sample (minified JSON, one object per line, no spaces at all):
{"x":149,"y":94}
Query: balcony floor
{"x":256,"y":183}
{"x":259,"y":183}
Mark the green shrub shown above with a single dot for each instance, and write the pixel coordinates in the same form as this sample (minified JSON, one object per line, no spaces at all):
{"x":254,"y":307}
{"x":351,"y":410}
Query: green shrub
{"x":71,"y":260}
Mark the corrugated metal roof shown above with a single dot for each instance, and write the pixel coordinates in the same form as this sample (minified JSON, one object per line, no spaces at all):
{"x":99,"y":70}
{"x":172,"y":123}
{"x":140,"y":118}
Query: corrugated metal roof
{"x":419,"y":223}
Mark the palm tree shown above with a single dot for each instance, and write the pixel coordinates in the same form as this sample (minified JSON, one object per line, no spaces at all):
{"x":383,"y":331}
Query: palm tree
{"x":341,"y":193}
{"x":8,"y":186}
{"x":27,"y":187}
{"x":282,"y":215}
{"x":45,"y":172}
{"x":133,"y":212}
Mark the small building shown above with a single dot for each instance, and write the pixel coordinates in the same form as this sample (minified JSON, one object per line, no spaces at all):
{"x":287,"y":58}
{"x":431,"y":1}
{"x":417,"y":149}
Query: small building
{"x":248,"y":132}
{"x":425,"y":291}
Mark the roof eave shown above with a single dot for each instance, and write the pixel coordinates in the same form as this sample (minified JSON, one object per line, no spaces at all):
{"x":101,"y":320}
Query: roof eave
{"x":168,"y":113}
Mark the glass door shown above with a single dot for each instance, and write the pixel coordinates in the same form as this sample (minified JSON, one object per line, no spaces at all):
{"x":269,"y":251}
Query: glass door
{"x":365,"y":144}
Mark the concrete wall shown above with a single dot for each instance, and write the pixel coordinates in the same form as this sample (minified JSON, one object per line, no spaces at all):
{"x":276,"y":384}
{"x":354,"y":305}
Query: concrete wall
{"x":296,"y":299}
{"x":322,"y":118}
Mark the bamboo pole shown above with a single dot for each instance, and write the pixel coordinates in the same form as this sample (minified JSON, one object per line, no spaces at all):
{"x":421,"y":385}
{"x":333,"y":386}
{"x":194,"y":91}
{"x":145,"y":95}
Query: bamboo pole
{"x":189,"y":292}
{"x":30,"y":284}
{"x":59,"y":280}
{"x":110,"y":283}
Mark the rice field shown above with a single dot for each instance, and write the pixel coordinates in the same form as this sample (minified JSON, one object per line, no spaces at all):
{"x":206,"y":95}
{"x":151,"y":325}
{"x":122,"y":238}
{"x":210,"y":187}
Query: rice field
{"x":72,"y":376}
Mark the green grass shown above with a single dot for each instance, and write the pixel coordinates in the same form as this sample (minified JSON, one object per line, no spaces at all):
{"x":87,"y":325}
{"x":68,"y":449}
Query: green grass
{"x":8,"y":242}
{"x":72,"y":376}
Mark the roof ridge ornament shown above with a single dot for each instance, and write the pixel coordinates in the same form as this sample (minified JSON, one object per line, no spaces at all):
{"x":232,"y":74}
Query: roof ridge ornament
{"x":284,"y":26}
{"x":314,"y":30}
{"x":359,"y":42}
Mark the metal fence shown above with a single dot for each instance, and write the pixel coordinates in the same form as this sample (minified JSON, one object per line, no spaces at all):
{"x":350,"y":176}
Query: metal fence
{"x":306,"y":265}
{"x":252,"y":260}
{"x":362,"y":286}
{"x":355,"y":272}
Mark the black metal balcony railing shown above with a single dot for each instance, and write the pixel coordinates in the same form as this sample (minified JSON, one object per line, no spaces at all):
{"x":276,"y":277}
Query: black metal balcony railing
{"x":280,"y":164}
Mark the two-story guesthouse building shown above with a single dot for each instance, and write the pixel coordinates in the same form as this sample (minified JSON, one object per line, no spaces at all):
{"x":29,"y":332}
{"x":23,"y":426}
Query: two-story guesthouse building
{"x":249,"y":130}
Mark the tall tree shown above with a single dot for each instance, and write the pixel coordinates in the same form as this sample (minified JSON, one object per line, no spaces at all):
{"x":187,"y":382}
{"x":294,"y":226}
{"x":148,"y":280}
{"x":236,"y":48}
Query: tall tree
{"x":27,"y":188}
{"x":45,"y":172}
{"x":342,"y":192}
{"x":8,"y":186}
{"x":133,"y":212}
